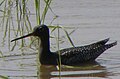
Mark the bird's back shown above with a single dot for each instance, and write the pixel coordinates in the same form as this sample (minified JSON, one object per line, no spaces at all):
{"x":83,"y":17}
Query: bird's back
{"x":82,"y":54}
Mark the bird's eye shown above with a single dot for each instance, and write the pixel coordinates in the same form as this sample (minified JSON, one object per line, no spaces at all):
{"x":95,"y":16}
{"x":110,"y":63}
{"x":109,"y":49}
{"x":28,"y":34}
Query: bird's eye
{"x":42,"y":29}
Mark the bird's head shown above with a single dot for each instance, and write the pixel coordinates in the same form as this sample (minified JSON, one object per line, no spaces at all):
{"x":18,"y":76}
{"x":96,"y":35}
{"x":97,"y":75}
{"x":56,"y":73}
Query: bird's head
{"x":41,"y":31}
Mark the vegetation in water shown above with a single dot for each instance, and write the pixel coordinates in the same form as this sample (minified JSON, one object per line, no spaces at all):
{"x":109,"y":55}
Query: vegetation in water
{"x":16,"y":21}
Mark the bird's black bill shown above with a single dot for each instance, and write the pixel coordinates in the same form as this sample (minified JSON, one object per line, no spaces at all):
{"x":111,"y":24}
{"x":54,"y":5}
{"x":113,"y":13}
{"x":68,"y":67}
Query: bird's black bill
{"x":31,"y":34}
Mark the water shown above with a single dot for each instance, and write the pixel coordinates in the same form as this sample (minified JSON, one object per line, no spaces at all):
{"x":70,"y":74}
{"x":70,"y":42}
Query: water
{"x":94,"y":20}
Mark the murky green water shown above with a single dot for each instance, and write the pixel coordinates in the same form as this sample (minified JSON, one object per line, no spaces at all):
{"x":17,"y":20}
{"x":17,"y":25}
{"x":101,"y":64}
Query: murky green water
{"x":94,"y":20}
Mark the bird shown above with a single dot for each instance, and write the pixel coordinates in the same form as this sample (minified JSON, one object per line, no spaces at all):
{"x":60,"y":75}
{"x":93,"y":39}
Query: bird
{"x":68,"y":56}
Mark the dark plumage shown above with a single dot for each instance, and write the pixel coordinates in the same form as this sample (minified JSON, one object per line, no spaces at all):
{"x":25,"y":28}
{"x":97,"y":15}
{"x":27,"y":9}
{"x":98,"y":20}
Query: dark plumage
{"x":69,"y":56}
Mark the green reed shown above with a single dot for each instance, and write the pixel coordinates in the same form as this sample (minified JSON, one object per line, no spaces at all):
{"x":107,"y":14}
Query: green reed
{"x":16,"y":17}
{"x":3,"y":77}
{"x":59,"y":60}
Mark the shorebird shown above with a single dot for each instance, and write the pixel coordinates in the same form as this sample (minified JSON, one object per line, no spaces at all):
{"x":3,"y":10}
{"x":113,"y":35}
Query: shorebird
{"x":68,"y":56}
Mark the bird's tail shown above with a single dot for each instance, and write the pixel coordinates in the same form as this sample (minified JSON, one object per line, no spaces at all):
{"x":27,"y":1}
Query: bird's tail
{"x":102,"y":42}
{"x":103,"y":48}
{"x":107,"y":46}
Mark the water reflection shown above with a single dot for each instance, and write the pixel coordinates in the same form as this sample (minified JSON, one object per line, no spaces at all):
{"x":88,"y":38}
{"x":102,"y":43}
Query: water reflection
{"x":93,"y":69}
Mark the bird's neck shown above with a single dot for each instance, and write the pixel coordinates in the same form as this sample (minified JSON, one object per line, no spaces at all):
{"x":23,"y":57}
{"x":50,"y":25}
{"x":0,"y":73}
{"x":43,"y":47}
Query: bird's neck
{"x":44,"y":50}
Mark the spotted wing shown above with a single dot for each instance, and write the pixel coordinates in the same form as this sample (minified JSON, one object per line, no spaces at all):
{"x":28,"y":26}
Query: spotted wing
{"x":87,"y":47}
{"x":84,"y":53}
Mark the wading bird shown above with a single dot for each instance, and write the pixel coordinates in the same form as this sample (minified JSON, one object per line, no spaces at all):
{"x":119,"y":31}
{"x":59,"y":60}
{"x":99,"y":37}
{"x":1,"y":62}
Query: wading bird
{"x":69,"y":56}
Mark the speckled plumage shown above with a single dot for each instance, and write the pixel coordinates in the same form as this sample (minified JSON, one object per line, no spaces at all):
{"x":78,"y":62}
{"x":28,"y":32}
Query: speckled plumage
{"x":69,"y":56}
{"x":83,"y":54}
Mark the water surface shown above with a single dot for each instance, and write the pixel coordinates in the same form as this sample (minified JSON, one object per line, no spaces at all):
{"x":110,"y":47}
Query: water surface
{"x":93,"y":20}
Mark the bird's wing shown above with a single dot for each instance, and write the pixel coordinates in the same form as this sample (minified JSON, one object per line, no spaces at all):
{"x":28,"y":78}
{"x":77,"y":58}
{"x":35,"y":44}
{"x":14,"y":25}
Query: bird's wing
{"x":102,"y":42}
{"x":79,"y":55}
{"x":84,"y":53}
{"x":83,"y":48}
